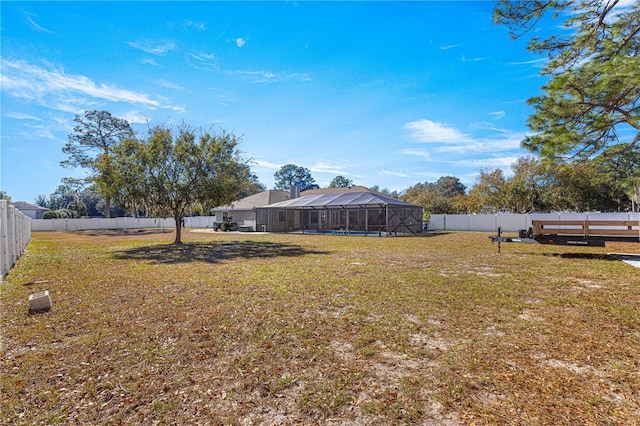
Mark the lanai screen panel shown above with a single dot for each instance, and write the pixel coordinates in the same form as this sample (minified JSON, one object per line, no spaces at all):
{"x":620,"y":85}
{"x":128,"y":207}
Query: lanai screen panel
{"x":347,"y":212}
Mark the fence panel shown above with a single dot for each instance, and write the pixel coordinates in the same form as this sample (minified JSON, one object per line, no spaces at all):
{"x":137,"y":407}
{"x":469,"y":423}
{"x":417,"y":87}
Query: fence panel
{"x":118,"y":223}
{"x":15,"y":232}
{"x":512,"y":222}
{"x":483,"y":222}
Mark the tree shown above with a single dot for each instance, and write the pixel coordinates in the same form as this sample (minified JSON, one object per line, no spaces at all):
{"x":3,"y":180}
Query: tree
{"x":450,"y":186}
{"x":385,"y":191}
{"x":4,"y":196}
{"x":291,"y":175}
{"x":340,"y":182}
{"x":254,"y":185}
{"x":92,"y":142}
{"x":592,"y":99}
{"x":488,"y":194}
{"x":169,"y":172}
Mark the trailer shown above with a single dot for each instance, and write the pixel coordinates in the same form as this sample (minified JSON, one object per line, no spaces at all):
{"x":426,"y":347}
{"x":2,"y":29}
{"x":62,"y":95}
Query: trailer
{"x":595,"y":233}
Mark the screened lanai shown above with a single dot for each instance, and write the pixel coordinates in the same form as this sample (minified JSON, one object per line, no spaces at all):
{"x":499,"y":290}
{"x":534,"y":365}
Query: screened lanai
{"x":346,"y":213}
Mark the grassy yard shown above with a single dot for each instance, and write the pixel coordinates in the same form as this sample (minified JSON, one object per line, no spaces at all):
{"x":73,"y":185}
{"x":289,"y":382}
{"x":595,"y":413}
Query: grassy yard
{"x":298,"y":329}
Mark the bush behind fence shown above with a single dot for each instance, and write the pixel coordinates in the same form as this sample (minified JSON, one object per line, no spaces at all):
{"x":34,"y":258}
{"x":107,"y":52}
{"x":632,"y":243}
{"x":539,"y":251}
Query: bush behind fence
{"x":15,"y":231}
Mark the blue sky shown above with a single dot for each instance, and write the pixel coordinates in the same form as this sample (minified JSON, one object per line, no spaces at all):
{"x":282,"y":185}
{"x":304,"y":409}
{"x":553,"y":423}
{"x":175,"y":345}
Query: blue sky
{"x":384,"y":93}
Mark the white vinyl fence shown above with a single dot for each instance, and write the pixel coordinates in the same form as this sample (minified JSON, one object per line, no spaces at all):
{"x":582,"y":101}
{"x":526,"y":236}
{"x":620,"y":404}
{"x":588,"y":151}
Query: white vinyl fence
{"x":118,"y":223}
{"x":512,"y":222}
{"x":15,"y":231}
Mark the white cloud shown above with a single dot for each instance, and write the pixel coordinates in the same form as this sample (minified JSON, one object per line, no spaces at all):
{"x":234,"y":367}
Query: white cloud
{"x":428,"y":131}
{"x":204,"y":61}
{"x":149,"y":61}
{"x":169,"y":84}
{"x":491,"y":162}
{"x":21,"y":116}
{"x":497,"y":115}
{"x":329,"y":166}
{"x":417,"y":153}
{"x":136,"y":117}
{"x":36,"y":26}
{"x":153,"y":48}
{"x":447,"y":139}
{"x":194,"y":24}
{"x":395,"y":173}
{"x":449,"y":46}
{"x":539,"y":61}
{"x":267,"y":164}
{"x":55,"y":89}
{"x":271,"y":77}
{"x":240,"y":42}
{"x":476,"y":59}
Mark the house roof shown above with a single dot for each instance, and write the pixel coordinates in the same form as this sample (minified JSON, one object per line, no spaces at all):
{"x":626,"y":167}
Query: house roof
{"x":340,"y":200}
{"x":23,"y":205}
{"x":256,"y":200}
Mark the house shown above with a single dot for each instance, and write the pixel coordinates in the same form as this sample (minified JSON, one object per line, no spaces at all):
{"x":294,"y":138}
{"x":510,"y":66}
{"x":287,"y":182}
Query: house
{"x":243,"y":211}
{"x":30,"y":210}
{"x":350,"y":210}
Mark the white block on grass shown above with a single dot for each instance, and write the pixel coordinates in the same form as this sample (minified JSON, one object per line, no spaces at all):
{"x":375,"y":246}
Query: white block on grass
{"x":40,"y":302}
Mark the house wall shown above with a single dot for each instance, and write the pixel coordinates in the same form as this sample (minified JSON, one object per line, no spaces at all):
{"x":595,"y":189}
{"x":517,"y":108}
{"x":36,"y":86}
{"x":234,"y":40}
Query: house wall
{"x":241,"y":217}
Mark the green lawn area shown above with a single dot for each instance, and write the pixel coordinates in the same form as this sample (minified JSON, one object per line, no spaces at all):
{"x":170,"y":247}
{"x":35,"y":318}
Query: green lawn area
{"x":300,"y":329}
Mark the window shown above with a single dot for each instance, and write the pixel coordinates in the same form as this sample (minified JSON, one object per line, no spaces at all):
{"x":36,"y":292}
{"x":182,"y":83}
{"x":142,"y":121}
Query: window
{"x":282,"y":216}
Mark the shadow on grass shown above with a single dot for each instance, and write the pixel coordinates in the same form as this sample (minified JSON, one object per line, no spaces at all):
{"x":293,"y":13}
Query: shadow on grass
{"x":585,"y":256}
{"x":212,"y":252}
{"x":121,"y":232}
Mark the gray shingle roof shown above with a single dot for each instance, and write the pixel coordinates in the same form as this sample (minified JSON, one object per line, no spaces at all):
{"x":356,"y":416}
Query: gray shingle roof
{"x":256,"y":200}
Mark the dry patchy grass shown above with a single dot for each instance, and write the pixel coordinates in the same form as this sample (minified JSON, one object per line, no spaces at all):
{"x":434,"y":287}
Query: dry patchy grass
{"x":299,"y":329}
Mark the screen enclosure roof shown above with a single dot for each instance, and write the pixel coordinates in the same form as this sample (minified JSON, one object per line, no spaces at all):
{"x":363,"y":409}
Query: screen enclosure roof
{"x":347,"y":200}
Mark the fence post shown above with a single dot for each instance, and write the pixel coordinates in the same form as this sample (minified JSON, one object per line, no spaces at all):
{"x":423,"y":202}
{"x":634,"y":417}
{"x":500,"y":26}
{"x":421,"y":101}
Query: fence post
{"x":15,"y":234}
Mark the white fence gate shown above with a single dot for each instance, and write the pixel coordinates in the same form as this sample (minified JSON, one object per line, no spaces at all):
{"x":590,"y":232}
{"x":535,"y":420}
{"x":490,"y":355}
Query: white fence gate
{"x":15,"y":231}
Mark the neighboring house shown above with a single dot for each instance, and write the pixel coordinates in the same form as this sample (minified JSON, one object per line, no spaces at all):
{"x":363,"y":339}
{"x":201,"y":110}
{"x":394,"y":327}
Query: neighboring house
{"x":30,"y":210}
{"x":350,"y":210}
{"x":243,"y":211}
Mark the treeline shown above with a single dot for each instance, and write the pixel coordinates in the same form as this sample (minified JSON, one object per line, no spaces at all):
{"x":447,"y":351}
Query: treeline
{"x":607,"y":183}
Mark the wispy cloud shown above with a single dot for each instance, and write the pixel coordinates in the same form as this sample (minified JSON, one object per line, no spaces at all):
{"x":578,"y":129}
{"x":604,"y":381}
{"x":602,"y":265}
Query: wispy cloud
{"x":194,"y":24}
{"x":150,"y":61}
{"x":269,"y":76}
{"x":447,"y":139}
{"x":539,"y":61}
{"x":240,"y":42}
{"x":153,"y":47}
{"x":53,"y":88}
{"x":449,"y":46}
{"x":136,"y":117}
{"x":266,"y":164}
{"x":331,"y":167}
{"x":476,"y":59}
{"x":495,"y":162}
{"x":395,"y":173}
{"x":417,"y":153}
{"x":170,"y":85}
{"x":211,"y":62}
{"x":427,"y":131}
{"x":21,"y":116}
{"x":35,"y":25}
{"x":204,"y":61}
{"x":497,"y":115}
